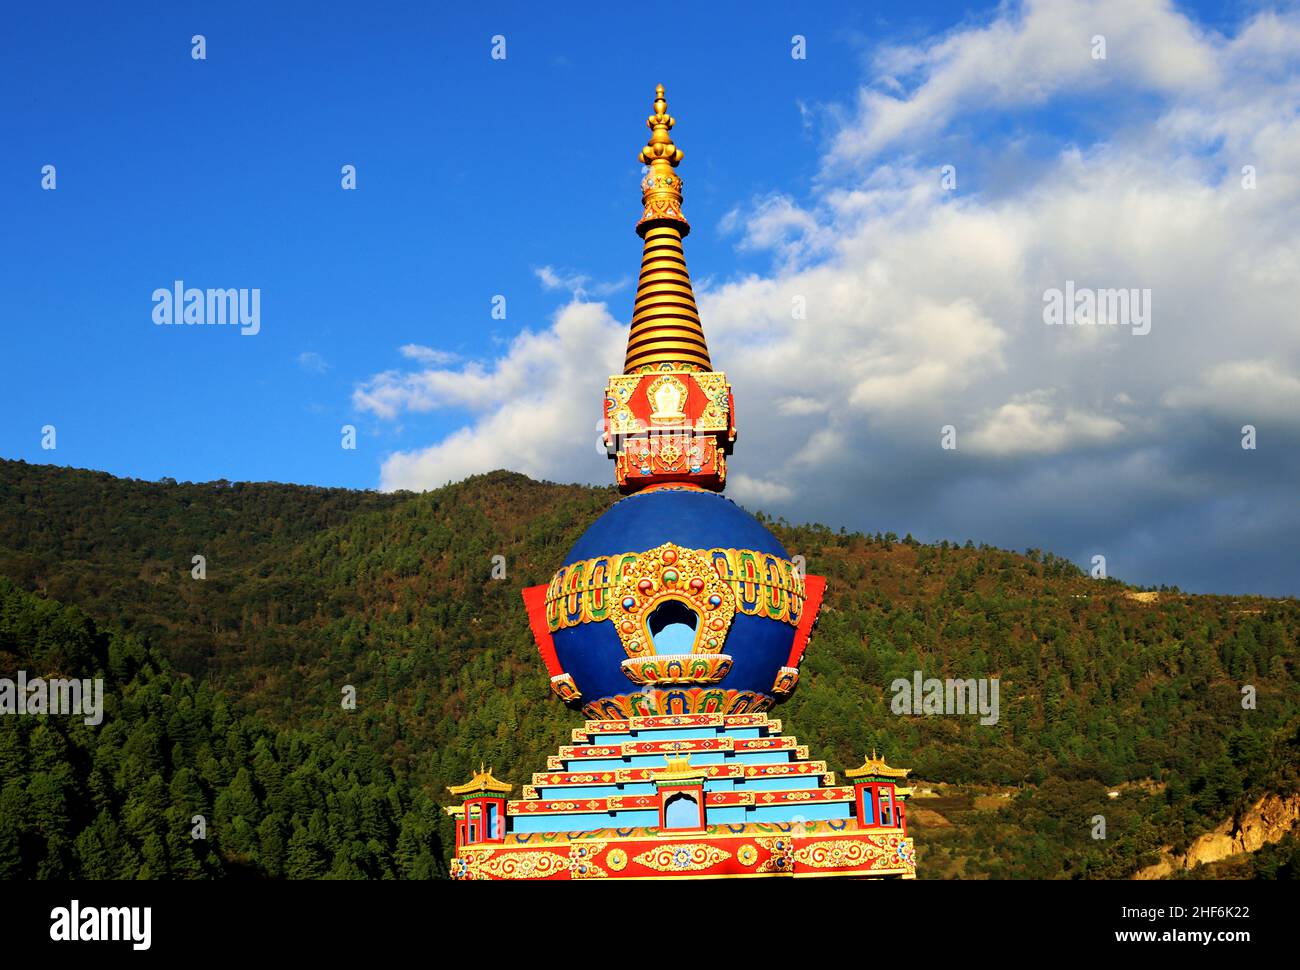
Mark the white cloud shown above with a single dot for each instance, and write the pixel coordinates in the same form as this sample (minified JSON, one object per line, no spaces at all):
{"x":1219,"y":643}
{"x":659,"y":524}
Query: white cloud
{"x":1031,"y":424}
{"x":1023,"y":58}
{"x":426,"y":355}
{"x":578,"y":284}
{"x":531,"y":409}
{"x":745,"y":488}
{"x":1249,"y":390}
{"x":777,"y":223}
{"x":311,"y":361}
{"x":800,"y":405}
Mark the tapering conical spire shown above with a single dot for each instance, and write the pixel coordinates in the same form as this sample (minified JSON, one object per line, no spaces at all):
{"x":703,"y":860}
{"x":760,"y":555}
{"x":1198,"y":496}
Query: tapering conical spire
{"x":669,"y":417}
{"x":666,"y":332}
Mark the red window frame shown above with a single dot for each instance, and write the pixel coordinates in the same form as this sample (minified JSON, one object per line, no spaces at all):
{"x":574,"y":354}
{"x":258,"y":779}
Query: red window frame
{"x":472,"y":826}
{"x":877,"y":789}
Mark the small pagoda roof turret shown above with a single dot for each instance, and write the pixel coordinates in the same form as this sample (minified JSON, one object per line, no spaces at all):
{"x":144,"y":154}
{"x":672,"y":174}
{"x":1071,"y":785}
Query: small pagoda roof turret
{"x":875,"y":767}
{"x":481,"y":784}
{"x":679,"y":770}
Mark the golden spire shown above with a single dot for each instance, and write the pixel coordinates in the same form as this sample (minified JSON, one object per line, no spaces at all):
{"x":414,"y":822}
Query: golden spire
{"x":666,"y":332}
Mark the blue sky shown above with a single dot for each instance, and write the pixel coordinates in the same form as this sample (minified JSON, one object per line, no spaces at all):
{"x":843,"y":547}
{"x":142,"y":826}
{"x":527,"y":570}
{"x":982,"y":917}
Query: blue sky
{"x":479,"y":177}
{"x":472,"y":173}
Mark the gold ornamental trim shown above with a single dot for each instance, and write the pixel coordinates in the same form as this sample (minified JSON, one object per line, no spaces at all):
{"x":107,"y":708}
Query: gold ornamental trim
{"x":677,"y":668}
{"x":666,"y":574}
{"x":761,"y":584}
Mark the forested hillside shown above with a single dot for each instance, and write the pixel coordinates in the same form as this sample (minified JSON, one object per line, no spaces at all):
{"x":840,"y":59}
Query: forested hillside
{"x":122,"y":800}
{"x":309,"y":591}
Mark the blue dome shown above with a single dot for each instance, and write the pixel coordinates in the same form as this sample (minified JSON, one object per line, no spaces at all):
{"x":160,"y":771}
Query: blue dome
{"x":686,"y":517}
{"x":592,"y":652}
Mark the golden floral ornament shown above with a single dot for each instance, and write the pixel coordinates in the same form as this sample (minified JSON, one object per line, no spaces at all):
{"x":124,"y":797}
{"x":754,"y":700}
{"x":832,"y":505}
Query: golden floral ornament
{"x":669,"y":573}
{"x":661,"y":208}
{"x":616,"y":860}
{"x":660,"y":147}
{"x":683,"y":857}
{"x":779,"y":854}
{"x":582,"y":863}
{"x":747,"y":855}
{"x":654,"y":368}
{"x":617,"y":395}
{"x":717,"y":414}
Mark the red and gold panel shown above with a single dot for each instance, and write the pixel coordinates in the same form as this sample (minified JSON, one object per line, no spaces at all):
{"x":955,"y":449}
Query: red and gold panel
{"x":667,"y":457}
{"x":796,"y":796}
{"x":624,"y":725}
{"x":640,"y":403}
{"x":669,"y":426}
{"x":725,"y":742}
{"x":624,"y":776}
{"x":718,"y":851}
{"x":566,"y":806}
{"x":719,"y":799}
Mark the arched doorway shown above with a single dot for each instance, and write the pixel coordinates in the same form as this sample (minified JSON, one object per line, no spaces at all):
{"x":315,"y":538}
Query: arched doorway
{"x":682,"y":811}
{"x":672,"y":627}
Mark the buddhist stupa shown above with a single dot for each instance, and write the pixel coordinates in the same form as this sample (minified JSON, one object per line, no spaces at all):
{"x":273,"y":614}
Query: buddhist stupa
{"x":676,"y":622}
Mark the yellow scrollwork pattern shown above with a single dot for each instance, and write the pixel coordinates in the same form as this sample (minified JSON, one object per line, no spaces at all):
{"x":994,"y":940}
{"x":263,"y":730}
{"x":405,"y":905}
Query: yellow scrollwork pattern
{"x":684,"y":857}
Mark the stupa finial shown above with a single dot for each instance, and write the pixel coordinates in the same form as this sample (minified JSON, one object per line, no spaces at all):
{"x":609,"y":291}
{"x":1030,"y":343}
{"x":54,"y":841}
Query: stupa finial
{"x":660,"y":148}
{"x":661,"y":189}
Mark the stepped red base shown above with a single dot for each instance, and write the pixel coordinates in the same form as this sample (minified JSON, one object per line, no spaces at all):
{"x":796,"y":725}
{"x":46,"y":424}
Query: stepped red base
{"x":717,"y":851}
